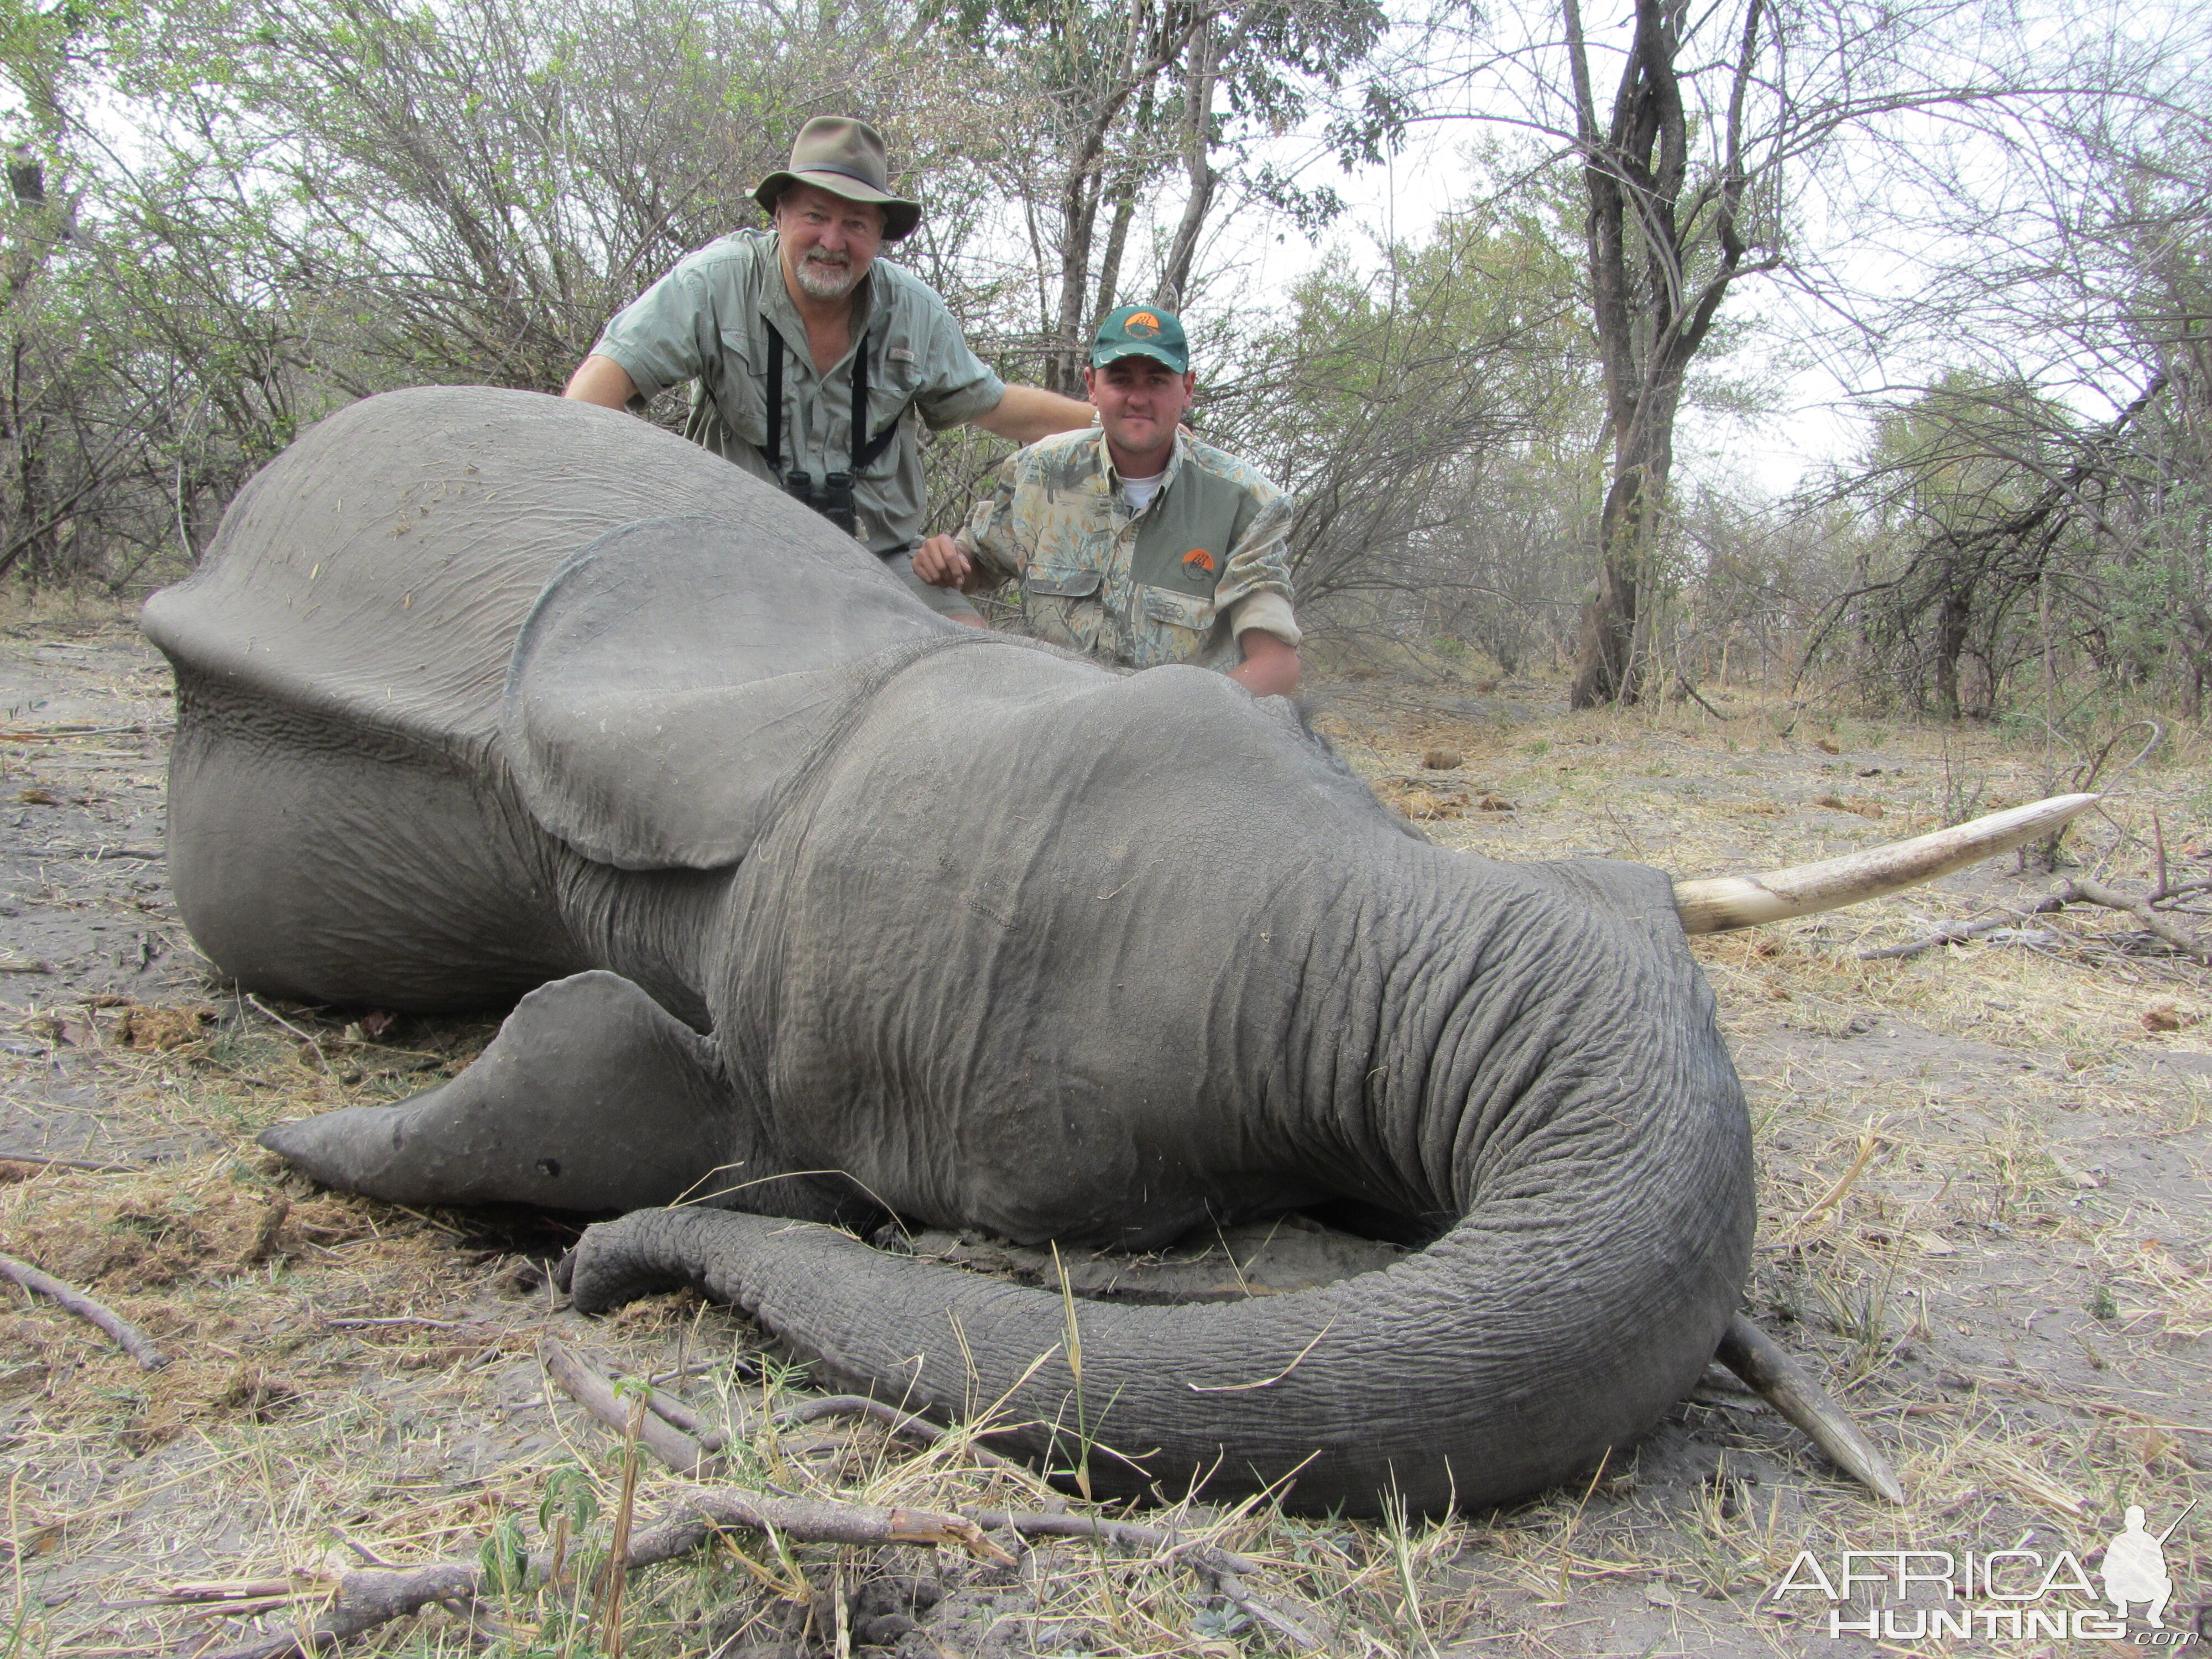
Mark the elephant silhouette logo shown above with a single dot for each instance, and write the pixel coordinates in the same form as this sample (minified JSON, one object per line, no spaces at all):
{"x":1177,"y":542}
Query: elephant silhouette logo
{"x":1143,"y":324}
{"x":1201,"y":557}
{"x":2134,"y":1567}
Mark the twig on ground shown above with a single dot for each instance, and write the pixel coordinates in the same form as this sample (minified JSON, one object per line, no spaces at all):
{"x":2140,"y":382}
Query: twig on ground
{"x":1759,"y":1360}
{"x":124,"y":1335}
{"x":911,"y":1426}
{"x":27,"y":967}
{"x":86,"y":1164}
{"x":1960,"y":933}
{"x":2095,"y":892}
{"x":369,"y":1597}
{"x":1223,"y":1566}
{"x":1692,"y":692}
{"x":308,"y":1037}
{"x":669,"y":1409}
{"x":673,"y":1448}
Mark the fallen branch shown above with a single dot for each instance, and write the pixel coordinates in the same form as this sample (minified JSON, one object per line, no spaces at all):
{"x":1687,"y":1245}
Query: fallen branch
{"x":368,"y":1597}
{"x":2095,"y":892}
{"x":86,"y":1164}
{"x":1692,"y":692}
{"x":124,"y":1335}
{"x":667,"y":1407}
{"x":583,"y":1383}
{"x":1960,"y":933}
{"x":909,"y":1424}
{"x":1224,"y":1567}
{"x":1759,"y":1360}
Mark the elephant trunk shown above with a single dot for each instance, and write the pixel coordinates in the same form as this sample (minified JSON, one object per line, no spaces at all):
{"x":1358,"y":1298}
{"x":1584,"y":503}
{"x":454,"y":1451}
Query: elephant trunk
{"x":1450,"y":1378}
{"x":1509,"y":1355}
{"x":1545,"y":1072}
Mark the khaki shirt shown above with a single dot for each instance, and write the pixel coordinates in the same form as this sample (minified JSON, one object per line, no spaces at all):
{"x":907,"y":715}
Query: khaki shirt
{"x":1207,"y":559}
{"x":702,"y":322}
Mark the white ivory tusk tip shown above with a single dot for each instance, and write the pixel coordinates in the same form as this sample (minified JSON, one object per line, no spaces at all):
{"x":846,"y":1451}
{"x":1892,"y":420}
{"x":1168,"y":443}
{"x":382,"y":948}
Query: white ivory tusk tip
{"x":1721,"y":902}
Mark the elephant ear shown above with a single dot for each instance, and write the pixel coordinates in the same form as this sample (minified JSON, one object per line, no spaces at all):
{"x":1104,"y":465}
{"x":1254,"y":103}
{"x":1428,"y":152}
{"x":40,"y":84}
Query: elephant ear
{"x":675,"y":676}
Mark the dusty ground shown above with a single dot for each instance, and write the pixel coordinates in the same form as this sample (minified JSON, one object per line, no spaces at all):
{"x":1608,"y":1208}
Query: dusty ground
{"x":1983,"y":1222}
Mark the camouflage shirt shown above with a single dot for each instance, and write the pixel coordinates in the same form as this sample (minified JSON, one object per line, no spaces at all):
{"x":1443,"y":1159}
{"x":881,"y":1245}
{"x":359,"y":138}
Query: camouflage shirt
{"x":706,"y":321}
{"x":1207,"y":559}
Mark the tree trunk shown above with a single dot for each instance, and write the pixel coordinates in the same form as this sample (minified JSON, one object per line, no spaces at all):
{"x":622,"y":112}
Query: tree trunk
{"x":1197,"y":145}
{"x":1602,"y":665}
{"x":1650,"y":322}
{"x":1950,"y":643}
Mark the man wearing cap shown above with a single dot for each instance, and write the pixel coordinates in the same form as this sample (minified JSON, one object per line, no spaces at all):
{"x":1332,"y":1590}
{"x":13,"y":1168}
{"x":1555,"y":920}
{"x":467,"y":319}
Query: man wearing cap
{"x":813,"y":362}
{"x":1132,"y":542}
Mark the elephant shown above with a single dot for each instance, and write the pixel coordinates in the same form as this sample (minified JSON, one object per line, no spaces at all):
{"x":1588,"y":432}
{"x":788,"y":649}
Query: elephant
{"x":822,"y":910}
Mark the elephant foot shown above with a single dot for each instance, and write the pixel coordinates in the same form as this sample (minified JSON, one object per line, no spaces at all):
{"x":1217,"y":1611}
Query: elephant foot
{"x":592,"y":1097}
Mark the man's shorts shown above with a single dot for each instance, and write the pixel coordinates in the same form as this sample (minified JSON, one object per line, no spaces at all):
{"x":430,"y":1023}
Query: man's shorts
{"x":945,"y":601}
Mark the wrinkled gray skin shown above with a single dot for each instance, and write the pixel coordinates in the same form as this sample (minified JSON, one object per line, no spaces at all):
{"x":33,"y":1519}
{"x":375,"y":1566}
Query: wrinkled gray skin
{"x":833,"y":907}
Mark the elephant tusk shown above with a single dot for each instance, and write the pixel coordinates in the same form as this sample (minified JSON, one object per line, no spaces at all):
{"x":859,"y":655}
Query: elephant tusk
{"x":1716,"y":905}
{"x":1759,"y":1361}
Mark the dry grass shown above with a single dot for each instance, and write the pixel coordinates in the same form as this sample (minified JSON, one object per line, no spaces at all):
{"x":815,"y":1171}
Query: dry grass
{"x":1981,"y":1220}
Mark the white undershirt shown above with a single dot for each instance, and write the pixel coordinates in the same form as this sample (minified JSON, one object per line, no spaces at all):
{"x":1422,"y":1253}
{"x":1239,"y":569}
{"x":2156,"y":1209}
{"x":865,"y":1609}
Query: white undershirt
{"x":1139,"y":492}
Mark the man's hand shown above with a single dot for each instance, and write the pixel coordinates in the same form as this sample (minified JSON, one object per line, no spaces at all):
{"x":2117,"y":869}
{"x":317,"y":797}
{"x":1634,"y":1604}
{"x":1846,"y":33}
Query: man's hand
{"x":940,"y":563}
{"x":601,"y":380}
{"x":1270,"y":668}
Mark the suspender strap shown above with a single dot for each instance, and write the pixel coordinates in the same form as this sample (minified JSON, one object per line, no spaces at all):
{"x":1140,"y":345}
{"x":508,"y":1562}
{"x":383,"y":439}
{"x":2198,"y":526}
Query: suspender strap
{"x":863,"y":454}
{"x":774,"y":450}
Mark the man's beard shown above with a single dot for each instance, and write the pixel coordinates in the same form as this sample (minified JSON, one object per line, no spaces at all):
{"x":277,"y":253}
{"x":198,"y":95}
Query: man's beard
{"x":824,"y":281}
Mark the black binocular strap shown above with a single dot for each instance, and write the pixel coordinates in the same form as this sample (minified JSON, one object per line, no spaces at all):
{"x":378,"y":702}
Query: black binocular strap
{"x":863,"y":455}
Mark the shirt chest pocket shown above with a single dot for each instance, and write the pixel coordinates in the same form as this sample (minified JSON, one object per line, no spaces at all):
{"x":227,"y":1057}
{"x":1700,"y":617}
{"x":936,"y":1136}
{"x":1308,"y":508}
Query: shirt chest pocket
{"x":1062,"y":584}
{"x":738,"y":388}
{"x":1190,"y":610}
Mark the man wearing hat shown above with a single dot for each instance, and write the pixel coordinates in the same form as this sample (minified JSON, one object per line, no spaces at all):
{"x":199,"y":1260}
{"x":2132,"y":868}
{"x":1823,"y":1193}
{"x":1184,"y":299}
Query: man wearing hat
{"x":1132,"y":542}
{"x":813,"y":362}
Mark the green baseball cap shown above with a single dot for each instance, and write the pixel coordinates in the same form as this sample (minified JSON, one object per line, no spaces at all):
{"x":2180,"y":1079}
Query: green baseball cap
{"x":1141,"y":331}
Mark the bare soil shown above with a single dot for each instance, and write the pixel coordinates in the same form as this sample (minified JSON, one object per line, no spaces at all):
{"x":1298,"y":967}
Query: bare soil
{"x":1984,"y":1224}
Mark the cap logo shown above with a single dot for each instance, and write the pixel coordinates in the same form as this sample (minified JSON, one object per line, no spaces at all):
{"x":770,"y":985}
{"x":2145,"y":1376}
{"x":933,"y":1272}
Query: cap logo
{"x":1199,"y":556}
{"x":1143,"y":324}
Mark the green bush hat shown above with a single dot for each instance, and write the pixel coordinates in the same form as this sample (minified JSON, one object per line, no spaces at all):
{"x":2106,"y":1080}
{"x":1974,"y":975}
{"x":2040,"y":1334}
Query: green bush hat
{"x":1141,"y":331}
{"x":846,"y":158}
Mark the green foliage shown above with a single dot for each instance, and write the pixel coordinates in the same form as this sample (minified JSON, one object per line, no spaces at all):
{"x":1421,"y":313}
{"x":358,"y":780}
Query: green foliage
{"x":505,"y":1557}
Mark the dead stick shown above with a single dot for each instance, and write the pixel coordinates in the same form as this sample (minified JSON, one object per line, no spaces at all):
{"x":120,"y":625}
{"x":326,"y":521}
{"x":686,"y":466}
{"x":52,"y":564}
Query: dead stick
{"x":369,"y":1597}
{"x":1133,"y":1533}
{"x":1759,"y":1360}
{"x":1223,"y":1566}
{"x":898,"y":1422}
{"x":2095,"y":892}
{"x":1959,"y":934}
{"x":670,"y":1409}
{"x":124,"y":1335}
{"x":675,"y":1449}
{"x":84,"y":1163}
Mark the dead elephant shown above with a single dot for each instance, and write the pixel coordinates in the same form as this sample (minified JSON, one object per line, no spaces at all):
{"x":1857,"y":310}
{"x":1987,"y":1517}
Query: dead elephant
{"x":827,"y":909}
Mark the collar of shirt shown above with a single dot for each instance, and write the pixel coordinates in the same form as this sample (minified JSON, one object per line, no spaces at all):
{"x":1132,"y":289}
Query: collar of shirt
{"x":778,"y":306}
{"x":1109,"y":480}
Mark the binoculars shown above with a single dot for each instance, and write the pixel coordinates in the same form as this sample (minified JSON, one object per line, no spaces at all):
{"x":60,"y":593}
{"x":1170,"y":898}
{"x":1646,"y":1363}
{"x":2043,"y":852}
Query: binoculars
{"x":833,"y":499}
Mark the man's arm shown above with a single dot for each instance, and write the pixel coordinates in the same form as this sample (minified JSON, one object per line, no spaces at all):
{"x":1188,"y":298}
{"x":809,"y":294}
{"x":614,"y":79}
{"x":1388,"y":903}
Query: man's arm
{"x":1270,"y":668}
{"x":986,"y":553}
{"x":601,"y":380}
{"x":1028,"y":413}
